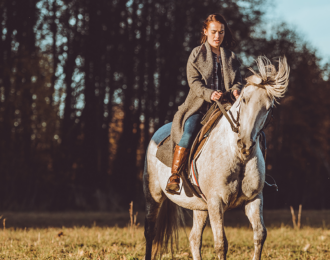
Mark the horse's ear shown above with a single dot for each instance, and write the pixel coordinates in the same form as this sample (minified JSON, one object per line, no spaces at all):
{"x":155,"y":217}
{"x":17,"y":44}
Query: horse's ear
{"x":254,"y":79}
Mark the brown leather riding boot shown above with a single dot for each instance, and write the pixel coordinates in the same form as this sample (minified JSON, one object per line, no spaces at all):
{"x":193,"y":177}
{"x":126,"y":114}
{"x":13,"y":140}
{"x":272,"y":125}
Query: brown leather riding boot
{"x":179,"y":158}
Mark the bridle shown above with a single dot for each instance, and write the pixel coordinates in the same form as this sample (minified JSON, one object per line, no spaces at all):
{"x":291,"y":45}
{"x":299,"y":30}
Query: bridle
{"x":234,"y":123}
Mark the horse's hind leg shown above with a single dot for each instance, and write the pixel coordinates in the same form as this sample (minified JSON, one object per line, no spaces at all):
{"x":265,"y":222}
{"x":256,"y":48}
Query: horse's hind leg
{"x":152,"y":208}
{"x":154,"y":197}
{"x":195,"y":238}
{"x":253,"y":211}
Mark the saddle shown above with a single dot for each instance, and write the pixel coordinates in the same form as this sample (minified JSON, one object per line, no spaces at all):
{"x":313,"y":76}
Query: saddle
{"x":189,"y":173}
{"x":209,"y":121}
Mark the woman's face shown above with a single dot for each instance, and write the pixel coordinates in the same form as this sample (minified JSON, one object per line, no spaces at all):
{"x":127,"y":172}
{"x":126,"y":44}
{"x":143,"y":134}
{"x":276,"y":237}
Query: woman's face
{"x":215,"y":34}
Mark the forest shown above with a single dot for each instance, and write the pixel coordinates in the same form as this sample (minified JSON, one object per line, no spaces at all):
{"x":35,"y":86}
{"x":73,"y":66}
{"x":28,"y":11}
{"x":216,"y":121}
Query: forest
{"x":84,"y":85}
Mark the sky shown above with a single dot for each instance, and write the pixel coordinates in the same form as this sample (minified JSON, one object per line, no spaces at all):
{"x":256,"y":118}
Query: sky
{"x":311,"y":18}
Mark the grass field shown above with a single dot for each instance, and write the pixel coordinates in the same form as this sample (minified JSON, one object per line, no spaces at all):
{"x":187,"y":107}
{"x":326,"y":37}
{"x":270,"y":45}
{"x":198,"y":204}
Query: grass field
{"x":107,"y":236}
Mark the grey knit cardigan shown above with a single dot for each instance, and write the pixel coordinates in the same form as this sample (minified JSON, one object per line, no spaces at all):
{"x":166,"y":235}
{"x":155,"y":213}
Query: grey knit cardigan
{"x":200,"y":76}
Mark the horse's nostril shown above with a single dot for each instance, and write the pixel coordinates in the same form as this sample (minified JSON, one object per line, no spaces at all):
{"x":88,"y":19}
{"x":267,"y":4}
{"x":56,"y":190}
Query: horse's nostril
{"x":240,"y":144}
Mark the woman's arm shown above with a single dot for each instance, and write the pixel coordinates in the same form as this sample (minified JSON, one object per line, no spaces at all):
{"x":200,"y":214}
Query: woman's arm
{"x":196,"y":82}
{"x":237,"y":83}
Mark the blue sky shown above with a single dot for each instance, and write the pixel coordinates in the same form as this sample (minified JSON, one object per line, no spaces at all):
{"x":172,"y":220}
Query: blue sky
{"x":311,"y":18}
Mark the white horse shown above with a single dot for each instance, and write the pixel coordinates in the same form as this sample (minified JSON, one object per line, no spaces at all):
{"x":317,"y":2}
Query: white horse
{"x":231,"y":171}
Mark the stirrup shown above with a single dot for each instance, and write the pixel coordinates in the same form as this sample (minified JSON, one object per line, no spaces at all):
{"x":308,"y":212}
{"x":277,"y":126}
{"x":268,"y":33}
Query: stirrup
{"x":172,"y":191}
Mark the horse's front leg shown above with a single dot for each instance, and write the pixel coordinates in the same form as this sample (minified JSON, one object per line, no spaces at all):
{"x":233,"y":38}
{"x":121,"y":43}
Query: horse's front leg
{"x":253,"y":210}
{"x":216,"y":213}
{"x":196,"y":233}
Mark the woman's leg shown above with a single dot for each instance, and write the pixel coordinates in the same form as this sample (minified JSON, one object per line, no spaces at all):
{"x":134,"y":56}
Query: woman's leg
{"x":190,"y":130}
{"x":181,"y":152}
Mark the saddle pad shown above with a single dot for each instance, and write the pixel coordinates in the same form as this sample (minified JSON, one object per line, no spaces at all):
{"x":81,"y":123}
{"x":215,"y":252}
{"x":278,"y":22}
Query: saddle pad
{"x":194,"y":180}
{"x":164,"y":153}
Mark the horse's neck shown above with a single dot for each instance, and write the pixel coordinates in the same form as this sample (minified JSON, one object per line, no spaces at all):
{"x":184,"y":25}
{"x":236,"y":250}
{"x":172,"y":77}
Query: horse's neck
{"x":222,"y":137}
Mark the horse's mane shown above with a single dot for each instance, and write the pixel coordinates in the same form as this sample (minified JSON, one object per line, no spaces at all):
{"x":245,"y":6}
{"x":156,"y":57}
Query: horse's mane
{"x":275,"y":82}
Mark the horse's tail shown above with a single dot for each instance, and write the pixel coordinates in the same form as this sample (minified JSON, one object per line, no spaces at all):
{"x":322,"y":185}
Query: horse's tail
{"x":167,"y":228}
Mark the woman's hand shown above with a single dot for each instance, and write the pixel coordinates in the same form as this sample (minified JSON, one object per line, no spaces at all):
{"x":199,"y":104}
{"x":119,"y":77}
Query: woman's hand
{"x":236,"y":93}
{"x":216,"y":95}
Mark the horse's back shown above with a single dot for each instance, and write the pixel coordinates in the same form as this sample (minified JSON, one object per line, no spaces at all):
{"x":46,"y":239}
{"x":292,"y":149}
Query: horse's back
{"x":151,"y":184}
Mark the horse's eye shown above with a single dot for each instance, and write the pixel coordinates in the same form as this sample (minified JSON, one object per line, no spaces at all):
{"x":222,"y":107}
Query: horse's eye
{"x":244,"y":100}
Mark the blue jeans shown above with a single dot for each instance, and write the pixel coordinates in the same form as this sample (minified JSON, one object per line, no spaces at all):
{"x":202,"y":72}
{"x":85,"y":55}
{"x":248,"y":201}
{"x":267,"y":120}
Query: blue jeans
{"x":190,"y":130}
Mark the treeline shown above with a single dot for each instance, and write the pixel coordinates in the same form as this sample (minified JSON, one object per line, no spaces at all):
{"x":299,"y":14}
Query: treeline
{"x":84,"y":84}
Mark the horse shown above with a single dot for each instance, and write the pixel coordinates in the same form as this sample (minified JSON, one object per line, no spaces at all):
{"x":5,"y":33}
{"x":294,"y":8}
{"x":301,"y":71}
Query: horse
{"x":231,"y":170}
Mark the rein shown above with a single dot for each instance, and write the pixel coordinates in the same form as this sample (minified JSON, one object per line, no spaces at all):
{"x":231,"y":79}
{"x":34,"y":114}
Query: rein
{"x":224,"y":112}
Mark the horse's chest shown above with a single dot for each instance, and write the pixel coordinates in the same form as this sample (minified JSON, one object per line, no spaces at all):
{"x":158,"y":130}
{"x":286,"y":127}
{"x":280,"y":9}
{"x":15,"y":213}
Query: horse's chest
{"x":233,"y":181}
{"x":247,"y":184}
{"x":252,"y":185}
{"x":254,"y":177}
{"x":241,"y":190}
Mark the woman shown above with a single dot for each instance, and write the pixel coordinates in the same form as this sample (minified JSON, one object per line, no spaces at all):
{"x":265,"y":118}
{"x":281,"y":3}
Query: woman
{"x":212,"y":69}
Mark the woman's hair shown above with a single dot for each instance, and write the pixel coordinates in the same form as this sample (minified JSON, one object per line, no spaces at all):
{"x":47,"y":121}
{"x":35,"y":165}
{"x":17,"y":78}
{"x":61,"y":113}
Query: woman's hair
{"x":228,"y":40}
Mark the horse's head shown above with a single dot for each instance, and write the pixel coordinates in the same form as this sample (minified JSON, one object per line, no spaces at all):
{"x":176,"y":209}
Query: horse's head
{"x":257,"y":99}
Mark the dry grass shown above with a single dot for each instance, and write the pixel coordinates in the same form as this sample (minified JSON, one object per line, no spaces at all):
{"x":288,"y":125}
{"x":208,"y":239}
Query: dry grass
{"x":94,"y":241}
{"x":117,"y":243}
